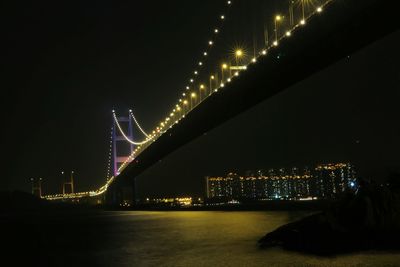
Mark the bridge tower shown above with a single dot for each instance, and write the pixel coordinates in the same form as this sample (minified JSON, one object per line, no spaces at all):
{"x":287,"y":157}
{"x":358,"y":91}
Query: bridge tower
{"x":122,"y":191}
{"x":69,"y":182}
{"x":37,"y":187}
{"x":117,"y":138}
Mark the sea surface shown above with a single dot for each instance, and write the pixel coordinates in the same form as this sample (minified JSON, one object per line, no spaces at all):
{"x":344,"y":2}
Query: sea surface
{"x":181,"y":238}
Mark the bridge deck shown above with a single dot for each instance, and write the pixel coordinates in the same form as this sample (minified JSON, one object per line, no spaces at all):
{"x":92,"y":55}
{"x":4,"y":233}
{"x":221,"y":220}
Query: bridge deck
{"x":343,"y":27}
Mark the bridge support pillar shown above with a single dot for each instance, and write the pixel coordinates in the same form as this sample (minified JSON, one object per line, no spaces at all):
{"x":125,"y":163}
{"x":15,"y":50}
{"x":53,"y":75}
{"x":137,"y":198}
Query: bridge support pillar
{"x":121,"y":194}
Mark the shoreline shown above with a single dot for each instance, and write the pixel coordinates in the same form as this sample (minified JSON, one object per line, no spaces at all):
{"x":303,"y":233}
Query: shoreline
{"x":317,"y":205}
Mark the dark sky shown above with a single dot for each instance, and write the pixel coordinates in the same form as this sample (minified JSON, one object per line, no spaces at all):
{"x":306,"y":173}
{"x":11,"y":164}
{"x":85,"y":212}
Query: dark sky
{"x":68,"y":65}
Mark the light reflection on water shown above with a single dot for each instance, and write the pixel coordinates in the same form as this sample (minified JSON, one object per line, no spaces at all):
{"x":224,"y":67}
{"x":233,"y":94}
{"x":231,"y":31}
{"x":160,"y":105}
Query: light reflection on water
{"x":193,"y":238}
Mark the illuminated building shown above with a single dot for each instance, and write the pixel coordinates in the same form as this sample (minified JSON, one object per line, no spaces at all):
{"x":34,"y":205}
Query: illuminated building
{"x":332,"y":179}
{"x":324,"y":182}
{"x":216,"y":187}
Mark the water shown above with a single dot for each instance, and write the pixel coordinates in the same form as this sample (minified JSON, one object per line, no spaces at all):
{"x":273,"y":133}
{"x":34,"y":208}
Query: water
{"x":197,"y":238}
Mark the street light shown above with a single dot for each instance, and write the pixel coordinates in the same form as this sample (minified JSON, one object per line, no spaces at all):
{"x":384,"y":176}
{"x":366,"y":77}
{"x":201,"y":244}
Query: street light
{"x":291,"y":13}
{"x":202,"y":87}
{"x":212,"y":77}
{"x":238,"y":55}
{"x":192,"y":96}
{"x":224,"y":66}
{"x":185,"y":104}
{"x":278,"y":18}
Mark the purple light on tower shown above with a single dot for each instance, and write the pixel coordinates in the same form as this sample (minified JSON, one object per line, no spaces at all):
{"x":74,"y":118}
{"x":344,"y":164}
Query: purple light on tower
{"x":117,"y":159}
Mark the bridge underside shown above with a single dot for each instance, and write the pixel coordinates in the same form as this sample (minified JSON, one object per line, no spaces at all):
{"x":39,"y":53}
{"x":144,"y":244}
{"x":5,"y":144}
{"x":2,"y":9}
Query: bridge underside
{"x":344,"y":27}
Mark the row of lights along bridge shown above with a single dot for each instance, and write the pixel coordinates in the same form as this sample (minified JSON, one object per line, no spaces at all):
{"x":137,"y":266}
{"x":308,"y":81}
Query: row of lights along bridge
{"x":193,"y":97}
{"x":195,"y":93}
{"x":68,"y":183}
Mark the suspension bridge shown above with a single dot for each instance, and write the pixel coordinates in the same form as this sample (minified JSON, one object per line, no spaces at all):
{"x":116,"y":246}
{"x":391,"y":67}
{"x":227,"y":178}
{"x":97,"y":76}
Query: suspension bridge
{"x":285,"y":48}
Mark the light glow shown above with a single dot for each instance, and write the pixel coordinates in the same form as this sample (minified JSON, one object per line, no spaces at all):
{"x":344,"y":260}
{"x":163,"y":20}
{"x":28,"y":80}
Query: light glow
{"x":239,"y":53}
{"x":137,"y":123}
{"x":124,"y":135}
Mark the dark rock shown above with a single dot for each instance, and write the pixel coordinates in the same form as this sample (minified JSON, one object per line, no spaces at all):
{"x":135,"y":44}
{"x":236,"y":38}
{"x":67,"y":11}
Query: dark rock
{"x":368,"y":219}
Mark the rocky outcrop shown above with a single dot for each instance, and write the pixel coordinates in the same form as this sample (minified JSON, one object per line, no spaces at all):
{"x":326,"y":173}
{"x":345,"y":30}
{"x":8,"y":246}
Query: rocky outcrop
{"x":368,"y":219}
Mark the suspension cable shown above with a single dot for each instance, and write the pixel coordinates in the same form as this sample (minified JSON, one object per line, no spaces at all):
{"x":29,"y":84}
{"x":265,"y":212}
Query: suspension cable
{"x":125,"y":136}
{"x":109,"y":154}
{"x":137,"y":124}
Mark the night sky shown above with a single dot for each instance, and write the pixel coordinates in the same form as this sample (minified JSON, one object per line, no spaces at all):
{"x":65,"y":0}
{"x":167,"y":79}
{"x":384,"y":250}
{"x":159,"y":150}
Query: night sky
{"x":69,"y":64}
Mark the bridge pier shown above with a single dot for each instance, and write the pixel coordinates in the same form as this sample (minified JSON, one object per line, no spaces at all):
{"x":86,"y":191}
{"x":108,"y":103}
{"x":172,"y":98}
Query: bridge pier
{"x":121,"y":193}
